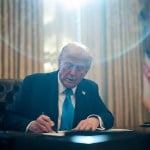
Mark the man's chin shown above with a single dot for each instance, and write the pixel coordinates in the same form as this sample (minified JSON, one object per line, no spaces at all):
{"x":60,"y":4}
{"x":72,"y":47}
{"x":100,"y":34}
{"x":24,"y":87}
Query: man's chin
{"x":69,"y":85}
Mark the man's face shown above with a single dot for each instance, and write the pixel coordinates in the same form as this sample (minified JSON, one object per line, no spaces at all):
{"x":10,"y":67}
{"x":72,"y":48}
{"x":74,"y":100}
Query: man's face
{"x":71,"y":71}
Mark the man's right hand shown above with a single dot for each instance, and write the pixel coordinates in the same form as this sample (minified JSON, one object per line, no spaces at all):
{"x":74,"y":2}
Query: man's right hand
{"x":42,"y":124}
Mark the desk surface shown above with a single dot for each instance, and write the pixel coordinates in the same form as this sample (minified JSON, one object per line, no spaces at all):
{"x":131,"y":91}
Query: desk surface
{"x":99,"y":140}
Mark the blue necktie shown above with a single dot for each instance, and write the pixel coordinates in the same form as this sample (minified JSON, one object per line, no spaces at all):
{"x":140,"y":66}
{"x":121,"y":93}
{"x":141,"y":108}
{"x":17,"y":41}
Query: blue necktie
{"x":67,"y":111}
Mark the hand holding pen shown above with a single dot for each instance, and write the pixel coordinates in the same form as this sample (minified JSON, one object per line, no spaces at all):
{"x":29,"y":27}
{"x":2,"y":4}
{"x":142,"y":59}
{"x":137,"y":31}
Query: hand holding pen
{"x":42,"y":124}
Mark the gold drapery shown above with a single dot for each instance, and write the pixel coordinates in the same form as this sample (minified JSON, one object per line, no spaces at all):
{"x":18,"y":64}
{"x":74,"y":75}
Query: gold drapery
{"x":111,"y":29}
{"x":113,"y":32}
{"x":116,"y":44}
{"x":21,"y":39}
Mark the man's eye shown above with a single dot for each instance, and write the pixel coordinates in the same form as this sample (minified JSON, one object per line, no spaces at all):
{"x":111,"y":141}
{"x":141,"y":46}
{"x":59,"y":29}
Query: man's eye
{"x":69,"y":65}
{"x":79,"y":68}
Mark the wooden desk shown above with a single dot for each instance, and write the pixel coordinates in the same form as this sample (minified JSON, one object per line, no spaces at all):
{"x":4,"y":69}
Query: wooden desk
{"x":75,"y":141}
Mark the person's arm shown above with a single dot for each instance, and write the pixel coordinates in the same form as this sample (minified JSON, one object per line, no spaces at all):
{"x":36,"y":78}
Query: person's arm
{"x":42,"y":124}
{"x":98,"y":115}
{"x":101,"y":124}
{"x":100,"y":109}
{"x":15,"y":122}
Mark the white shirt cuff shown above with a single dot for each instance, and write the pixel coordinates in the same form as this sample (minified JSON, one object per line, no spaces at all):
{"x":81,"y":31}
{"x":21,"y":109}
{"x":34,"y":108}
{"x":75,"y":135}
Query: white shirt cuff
{"x":27,"y":128}
{"x":101,"y":124}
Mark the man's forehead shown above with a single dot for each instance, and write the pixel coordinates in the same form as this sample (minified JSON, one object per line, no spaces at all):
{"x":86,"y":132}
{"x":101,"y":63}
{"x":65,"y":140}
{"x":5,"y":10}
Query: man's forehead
{"x":74,"y":60}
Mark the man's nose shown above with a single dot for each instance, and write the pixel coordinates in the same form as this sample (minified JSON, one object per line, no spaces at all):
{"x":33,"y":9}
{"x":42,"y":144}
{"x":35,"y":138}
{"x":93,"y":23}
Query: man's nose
{"x":73,"y":70}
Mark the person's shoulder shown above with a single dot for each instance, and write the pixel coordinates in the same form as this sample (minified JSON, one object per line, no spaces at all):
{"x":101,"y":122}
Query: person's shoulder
{"x":88,"y":82}
{"x":40,"y":76}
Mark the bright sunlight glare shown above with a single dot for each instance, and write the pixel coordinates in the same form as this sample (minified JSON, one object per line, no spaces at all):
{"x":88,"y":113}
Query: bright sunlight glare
{"x":89,"y":139}
{"x":72,"y":3}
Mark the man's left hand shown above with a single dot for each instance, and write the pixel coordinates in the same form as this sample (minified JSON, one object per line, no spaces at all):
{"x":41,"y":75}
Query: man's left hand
{"x":88,"y":124}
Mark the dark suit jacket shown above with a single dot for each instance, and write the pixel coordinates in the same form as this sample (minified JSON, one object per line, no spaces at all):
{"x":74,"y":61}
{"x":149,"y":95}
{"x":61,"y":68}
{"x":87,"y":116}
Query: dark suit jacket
{"x":39,"y":93}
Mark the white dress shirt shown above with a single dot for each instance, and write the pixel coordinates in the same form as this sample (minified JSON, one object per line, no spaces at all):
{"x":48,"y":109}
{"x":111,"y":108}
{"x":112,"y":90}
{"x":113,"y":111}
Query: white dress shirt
{"x":61,"y":98}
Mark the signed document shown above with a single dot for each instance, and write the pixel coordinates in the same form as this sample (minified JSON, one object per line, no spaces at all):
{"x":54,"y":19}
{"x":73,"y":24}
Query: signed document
{"x":97,"y":132}
{"x":58,"y":133}
{"x":115,"y":130}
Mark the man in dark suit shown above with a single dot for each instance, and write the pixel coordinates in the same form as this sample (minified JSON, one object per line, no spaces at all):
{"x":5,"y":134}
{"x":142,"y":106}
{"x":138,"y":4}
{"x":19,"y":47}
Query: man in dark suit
{"x":39,"y":104}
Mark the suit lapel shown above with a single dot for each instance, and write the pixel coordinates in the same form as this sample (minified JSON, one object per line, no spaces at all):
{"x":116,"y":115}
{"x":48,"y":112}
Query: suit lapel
{"x":52,"y":84}
{"x":80,"y":97}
